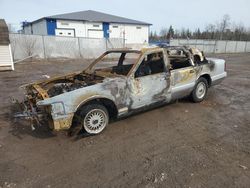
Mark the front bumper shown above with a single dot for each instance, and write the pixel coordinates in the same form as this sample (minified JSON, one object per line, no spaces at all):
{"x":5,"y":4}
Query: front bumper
{"x":62,"y":123}
{"x":43,"y":115}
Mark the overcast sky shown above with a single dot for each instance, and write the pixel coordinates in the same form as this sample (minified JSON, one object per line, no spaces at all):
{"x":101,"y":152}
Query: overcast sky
{"x":161,"y":13}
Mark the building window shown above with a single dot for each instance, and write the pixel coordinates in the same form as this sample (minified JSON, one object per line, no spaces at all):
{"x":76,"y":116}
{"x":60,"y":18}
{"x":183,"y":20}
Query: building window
{"x":138,"y":27}
{"x":115,"y":26}
{"x":64,"y":23}
{"x":96,"y":25}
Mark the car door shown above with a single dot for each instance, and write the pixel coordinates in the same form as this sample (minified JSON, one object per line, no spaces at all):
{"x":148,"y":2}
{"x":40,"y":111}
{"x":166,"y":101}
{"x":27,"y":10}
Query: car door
{"x":150,"y":84}
{"x":182,"y":81}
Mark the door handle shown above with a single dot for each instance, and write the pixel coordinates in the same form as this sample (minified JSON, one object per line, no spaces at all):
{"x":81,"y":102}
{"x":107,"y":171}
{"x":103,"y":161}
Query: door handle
{"x":191,"y":71}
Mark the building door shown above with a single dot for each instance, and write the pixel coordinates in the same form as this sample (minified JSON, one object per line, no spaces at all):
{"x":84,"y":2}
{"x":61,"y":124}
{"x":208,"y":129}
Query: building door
{"x":106,"y":30}
{"x":51,"y":26}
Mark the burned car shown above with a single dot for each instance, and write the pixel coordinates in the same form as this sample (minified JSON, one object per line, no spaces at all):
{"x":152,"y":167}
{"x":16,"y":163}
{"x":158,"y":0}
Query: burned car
{"x":119,"y":83}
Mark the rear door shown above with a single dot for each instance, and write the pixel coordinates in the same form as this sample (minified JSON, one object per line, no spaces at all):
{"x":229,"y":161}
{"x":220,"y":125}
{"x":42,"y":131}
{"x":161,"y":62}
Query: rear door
{"x":182,"y":81}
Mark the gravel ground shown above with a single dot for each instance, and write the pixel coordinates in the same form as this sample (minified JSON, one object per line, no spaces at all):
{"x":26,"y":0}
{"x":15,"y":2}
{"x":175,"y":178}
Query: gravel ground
{"x":179,"y":145}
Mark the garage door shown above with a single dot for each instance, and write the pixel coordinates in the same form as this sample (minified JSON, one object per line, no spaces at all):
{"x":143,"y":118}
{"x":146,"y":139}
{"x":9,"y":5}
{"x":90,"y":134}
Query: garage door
{"x":95,"y":33}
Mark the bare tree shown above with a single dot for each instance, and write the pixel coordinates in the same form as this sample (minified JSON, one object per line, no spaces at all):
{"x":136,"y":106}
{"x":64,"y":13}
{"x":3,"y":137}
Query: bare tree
{"x":210,"y":32}
{"x":164,"y":33}
{"x":29,"y":45}
{"x":239,"y":32}
{"x":223,"y":25}
{"x":222,"y":30}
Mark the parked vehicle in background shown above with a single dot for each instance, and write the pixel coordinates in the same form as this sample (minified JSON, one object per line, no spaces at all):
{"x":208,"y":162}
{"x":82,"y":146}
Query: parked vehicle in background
{"x":119,"y":83}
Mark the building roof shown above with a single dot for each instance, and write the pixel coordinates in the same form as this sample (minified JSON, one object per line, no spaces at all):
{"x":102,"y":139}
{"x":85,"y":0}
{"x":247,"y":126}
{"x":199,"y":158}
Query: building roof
{"x":4,"y":33}
{"x":94,"y":16}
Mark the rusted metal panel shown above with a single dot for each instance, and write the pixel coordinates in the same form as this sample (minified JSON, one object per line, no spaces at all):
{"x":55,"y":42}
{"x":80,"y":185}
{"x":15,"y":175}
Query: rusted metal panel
{"x":43,"y":93}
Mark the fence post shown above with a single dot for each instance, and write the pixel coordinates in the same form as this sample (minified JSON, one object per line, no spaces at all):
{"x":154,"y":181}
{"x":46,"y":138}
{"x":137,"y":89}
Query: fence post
{"x":203,"y":45}
{"x":106,"y":43}
{"x":226,"y":47}
{"x":44,"y":50}
{"x":246,"y":47}
{"x":215,"y":45}
{"x":123,"y":43}
{"x":79,"y":47}
{"x":236,"y":46}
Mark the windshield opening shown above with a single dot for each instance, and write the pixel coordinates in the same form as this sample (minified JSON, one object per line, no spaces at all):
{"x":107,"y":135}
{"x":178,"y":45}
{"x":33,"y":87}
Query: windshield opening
{"x":119,"y":63}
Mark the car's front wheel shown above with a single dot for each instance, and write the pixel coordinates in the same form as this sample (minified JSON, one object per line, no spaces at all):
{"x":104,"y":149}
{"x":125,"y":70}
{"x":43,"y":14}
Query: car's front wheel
{"x":200,"y":90}
{"x":93,"y":118}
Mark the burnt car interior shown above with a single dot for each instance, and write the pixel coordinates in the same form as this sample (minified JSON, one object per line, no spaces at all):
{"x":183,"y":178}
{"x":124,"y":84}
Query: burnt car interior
{"x":122,"y":68}
{"x":178,"y":59}
{"x":123,"y":62}
{"x":151,"y":64}
{"x":182,"y":57}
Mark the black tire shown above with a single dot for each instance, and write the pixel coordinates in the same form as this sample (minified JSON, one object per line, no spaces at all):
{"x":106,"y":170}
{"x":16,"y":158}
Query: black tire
{"x":200,"y":90}
{"x":93,"y":118}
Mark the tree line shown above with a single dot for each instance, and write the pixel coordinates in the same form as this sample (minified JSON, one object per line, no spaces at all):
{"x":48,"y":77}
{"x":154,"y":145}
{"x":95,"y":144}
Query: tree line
{"x":223,"y":30}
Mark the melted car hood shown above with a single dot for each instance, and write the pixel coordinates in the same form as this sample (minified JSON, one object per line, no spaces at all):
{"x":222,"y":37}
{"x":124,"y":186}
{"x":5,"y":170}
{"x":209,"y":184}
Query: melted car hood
{"x":56,"y":86}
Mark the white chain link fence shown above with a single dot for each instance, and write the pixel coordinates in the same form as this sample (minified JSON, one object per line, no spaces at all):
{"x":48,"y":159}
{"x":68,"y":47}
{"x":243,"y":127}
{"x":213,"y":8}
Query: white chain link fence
{"x":47,"y":47}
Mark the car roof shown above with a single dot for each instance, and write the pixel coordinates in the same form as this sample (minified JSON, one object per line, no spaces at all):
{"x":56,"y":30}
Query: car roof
{"x":129,"y":50}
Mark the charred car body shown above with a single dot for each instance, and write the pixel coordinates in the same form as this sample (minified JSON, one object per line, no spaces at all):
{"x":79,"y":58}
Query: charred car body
{"x":119,"y":83}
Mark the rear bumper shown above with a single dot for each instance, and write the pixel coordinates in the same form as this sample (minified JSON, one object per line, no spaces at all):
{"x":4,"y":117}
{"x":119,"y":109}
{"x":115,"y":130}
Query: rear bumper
{"x":218,"y":78}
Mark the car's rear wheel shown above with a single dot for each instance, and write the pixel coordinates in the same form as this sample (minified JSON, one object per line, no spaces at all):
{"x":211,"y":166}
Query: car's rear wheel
{"x":93,"y":118}
{"x":200,"y":90}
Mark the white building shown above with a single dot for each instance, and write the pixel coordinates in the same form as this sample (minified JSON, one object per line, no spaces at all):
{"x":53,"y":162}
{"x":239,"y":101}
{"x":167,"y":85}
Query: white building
{"x":90,"y":24}
{"x":6,"y":61}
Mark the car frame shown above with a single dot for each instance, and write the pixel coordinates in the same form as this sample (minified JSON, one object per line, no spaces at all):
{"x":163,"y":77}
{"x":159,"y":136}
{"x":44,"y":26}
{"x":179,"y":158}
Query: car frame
{"x":111,"y":95}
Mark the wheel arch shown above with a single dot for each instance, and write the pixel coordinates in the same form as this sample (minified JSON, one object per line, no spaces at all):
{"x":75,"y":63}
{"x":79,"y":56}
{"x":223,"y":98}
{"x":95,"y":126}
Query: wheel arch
{"x":106,"y":102}
{"x":208,"y":78}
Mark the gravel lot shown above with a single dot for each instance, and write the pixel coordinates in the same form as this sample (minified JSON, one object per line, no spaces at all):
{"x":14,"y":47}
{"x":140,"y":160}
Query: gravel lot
{"x":179,"y":145}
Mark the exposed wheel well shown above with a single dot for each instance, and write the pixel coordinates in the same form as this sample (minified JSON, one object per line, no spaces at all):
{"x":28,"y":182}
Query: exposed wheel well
{"x":109,"y":104}
{"x":208,"y":78}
